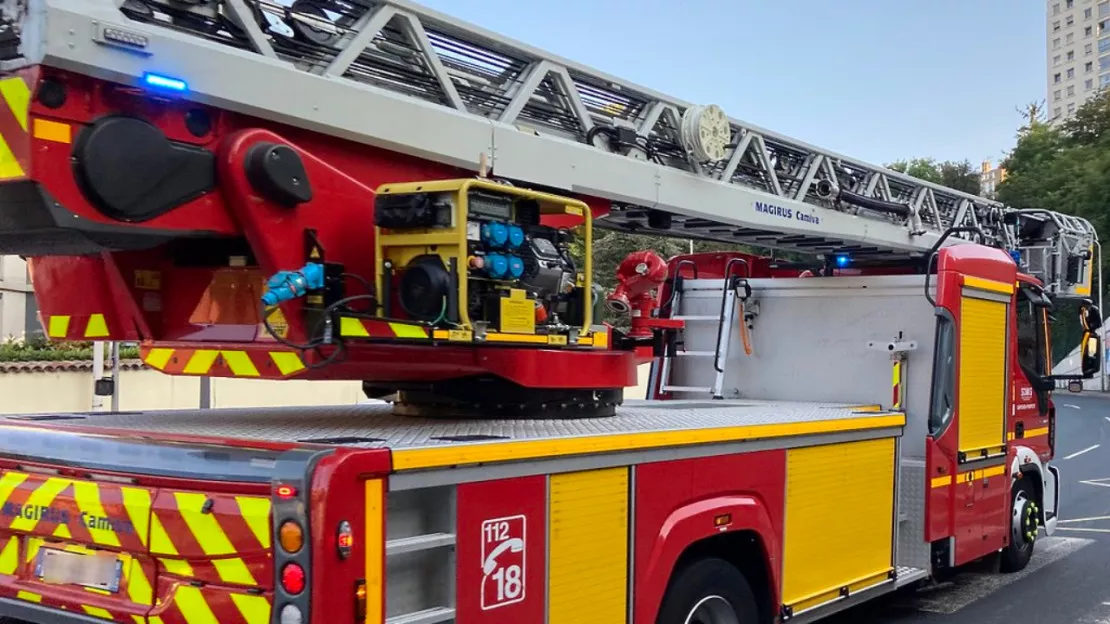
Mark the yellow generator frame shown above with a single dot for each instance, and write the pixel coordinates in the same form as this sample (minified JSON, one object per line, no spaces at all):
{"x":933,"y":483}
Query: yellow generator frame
{"x":450,"y":242}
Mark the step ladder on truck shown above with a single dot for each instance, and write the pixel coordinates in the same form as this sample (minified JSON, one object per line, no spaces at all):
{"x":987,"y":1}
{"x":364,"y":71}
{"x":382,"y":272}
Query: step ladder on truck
{"x":374,"y":191}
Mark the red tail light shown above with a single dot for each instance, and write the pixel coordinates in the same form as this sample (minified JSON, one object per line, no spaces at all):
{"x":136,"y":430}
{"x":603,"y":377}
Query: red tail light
{"x":286,"y":491}
{"x":292,"y":578}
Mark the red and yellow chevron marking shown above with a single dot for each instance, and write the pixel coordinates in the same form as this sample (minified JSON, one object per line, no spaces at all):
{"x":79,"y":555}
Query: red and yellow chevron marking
{"x":15,"y":140}
{"x":353,"y":327}
{"x":254,"y":364}
{"x":183,"y":603}
{"x":167,"y":540}
{"x":87,"y":327}
{"x":216,"y":538}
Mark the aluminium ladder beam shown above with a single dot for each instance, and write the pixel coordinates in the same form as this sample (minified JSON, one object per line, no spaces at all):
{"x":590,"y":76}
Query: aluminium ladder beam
{"x":402,"y":77}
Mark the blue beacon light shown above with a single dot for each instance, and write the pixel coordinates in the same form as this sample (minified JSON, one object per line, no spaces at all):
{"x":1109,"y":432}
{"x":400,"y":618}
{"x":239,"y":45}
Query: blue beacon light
{"x":166,"y":83}
{"x":841,"y":261}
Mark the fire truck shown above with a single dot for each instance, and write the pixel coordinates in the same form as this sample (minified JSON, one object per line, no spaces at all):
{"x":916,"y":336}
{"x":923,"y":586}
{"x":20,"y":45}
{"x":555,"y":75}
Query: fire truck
{"x":373,"y":191}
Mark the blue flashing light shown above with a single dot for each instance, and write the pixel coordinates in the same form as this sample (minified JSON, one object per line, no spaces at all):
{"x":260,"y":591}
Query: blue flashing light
{"x":841,"y":261}
{"x":166,"y":83}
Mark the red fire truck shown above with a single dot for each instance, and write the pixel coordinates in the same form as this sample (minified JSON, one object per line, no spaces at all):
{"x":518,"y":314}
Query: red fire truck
{"x":339,"y":189}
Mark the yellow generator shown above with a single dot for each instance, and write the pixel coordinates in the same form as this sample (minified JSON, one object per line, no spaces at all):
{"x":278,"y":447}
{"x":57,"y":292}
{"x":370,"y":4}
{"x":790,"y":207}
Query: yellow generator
{"x":480,"y":261}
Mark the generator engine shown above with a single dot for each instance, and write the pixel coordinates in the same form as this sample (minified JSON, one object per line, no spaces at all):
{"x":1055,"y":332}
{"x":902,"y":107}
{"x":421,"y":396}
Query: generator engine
{"x":475,"y":258}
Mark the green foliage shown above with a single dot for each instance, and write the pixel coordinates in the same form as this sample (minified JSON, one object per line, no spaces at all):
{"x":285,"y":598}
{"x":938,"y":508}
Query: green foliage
{"x":958,"y":175}
{"x":39,"y":349}
{"x":1064,"y":167}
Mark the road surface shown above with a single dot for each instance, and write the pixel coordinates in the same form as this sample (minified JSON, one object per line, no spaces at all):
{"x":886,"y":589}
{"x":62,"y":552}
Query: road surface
{"x":1068,"y":581}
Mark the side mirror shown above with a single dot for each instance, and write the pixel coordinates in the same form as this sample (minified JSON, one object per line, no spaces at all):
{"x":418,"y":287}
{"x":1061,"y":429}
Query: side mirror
{"x":1091,"y":355}
{"x":1090,"y":317}
{"x":1075,"y":386}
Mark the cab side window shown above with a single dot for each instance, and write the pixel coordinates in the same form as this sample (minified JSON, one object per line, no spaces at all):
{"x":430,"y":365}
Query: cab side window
{"x":1032,"y":350}
{"x":943,"y":400}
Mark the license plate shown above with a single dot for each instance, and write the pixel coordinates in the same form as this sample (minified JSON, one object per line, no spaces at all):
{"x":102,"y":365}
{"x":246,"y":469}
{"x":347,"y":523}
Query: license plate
{"x":96,"y":570}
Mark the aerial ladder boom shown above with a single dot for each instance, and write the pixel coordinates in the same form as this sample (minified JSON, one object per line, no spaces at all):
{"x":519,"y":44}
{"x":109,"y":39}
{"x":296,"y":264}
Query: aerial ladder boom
{"x":424,"y":96}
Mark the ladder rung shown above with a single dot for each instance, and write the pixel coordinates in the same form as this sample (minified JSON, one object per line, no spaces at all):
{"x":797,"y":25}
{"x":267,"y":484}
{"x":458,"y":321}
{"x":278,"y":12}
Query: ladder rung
{"x":686,"y":389}
{"x":696,"y":317}
{"x":418,"y":543}
{"x":434,"y":615}
{"x":697,"y":354}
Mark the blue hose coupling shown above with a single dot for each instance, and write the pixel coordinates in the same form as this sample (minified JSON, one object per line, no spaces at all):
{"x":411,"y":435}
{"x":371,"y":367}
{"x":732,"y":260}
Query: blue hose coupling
{"x":287,"y":285}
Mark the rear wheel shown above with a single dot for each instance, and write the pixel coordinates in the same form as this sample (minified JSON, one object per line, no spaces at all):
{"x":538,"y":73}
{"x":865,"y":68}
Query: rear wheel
{"x":1024,"y":523}
{"x":709,"y":591}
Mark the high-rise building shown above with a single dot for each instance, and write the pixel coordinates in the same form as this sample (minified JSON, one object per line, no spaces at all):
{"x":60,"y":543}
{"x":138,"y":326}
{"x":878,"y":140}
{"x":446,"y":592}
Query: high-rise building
{"x":1078,"y":53}
{"x":989,"y":179}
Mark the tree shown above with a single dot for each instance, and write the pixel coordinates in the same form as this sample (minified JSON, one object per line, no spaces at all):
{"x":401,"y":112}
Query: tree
{"x":1064,"y":167}
{"x":956,"y":175}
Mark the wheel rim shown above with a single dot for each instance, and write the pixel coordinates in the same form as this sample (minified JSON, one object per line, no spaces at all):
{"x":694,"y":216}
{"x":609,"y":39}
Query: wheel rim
{"x":712,"y":610}
{"x":1025,"y":522}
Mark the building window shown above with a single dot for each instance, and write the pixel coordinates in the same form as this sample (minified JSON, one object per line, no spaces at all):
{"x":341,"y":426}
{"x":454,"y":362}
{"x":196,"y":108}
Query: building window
{"x":1056,"y":60}
{"x":1070,"y":38}
{"x":1069,"y":21}
{"x":1056,"y":78}
{"x":1069,"y":4}
{"x":1056,"y":112}
{"x":1088,"y":31}
{"x":1104,"y":80}
{"x":1104,"y":9}
{"x":1104,"y":63}
{"x":1086,"y":14}
{"x":1071,"y":90}
{"x":1056,"y":26}
{"x":1056,"y":8}
{"x":1071,"y":55}
{"x":1056,"y":95}
{"x":1088,"y":67}
{"x":1088,"y":49}
{"x":1089,"y":84}
{"x":1056,"y":43}
{"x":1071,"y":108}
{"x":1071,"y":73}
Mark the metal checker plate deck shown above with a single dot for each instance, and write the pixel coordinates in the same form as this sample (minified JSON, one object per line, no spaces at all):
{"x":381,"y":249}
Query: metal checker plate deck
{"x":369,"y":426}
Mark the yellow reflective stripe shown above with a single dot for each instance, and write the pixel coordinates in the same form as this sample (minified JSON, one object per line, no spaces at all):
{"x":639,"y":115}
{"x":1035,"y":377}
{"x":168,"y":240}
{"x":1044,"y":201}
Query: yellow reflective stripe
{"x":158,"y":358}
{"x":43,"y":496}
{"x":240,"y":363}
{"x":9,"y":557}
{"x":8,"y":483}
{"x":58,"y":326}
{"x":193,"y":605}
{"x":256,"y":512}
{"x":178,"y":567}
{"x":1039,"y":431}
{"x":374,"y":549}
{"x":52,"y":131}
{"x":28,"y":596}
{"x":88,"y":501}
{"x":404,"y":330}
{"x":352,"y":327}
{"x":138,"y":586}
{"x":137,"y":503}
{"x":9,"y":165}
{"x":155,"y":619}
{"x":971,"y":281}
{"x":201,"y":362}
{"x":254,"y":609}
{"x":18,"y":97}
{"x":483,"y":452}
{"x":212,"y":539}
{"x":62,"y":531}
{"x":941,"y":481}
{"x":97,"y":612}
{"x":97,"y":327}
{"x":287,"y":362}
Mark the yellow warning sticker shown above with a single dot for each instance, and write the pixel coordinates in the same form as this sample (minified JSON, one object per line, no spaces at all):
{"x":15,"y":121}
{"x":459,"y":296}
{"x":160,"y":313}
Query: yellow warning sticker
{"x":518,"y":316}
{"x":279,"y":324}
{"x":148,"y":280}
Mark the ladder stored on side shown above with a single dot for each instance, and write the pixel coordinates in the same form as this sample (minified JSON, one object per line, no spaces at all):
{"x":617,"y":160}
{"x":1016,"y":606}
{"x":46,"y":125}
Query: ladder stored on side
{"x":735,"y":291}
{"x":395,"y":75}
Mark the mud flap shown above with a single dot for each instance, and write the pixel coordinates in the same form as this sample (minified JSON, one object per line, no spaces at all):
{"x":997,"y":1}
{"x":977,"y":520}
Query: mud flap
{"x":1051,"y":502}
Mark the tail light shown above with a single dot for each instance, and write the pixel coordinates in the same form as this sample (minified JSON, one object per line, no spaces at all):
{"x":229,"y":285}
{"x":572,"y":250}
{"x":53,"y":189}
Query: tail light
{"x":360,"y":601}
{"x":291,"y":536}
{"x":292,"y":578}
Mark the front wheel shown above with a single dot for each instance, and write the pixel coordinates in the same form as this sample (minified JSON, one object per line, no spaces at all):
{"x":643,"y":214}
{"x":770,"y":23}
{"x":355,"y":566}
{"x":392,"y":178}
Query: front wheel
{"x":709,"y":591}
{"x":1024,"y":524}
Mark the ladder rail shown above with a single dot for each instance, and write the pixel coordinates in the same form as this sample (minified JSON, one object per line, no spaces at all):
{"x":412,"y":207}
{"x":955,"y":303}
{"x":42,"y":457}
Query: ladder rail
{"x":397,"y":75}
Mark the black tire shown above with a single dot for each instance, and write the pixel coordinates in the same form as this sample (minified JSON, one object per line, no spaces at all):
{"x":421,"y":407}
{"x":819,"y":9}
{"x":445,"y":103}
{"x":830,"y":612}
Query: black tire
{"x":1017,"y":554}
{"x":702,"y":579}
